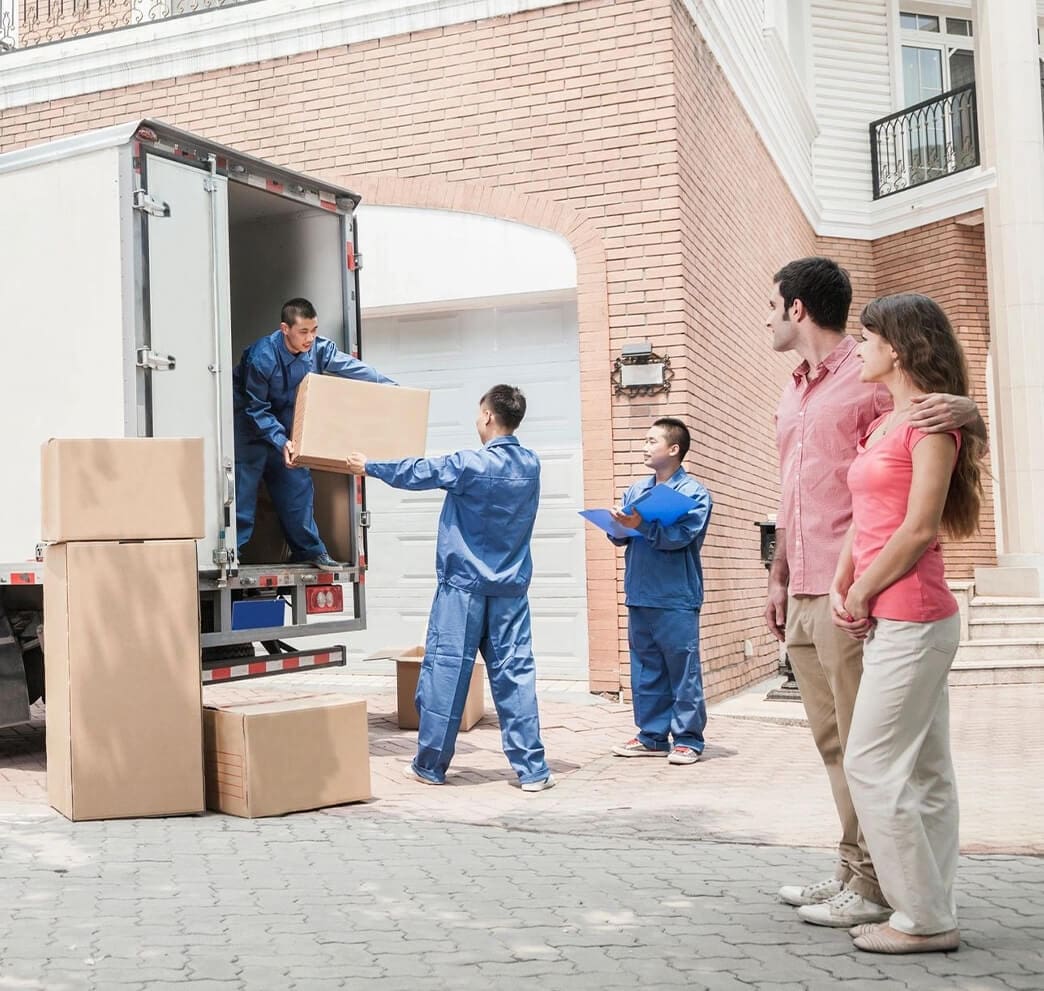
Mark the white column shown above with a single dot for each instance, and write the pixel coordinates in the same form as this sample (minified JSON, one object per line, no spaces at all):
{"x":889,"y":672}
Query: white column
{"x":1008,"y":87}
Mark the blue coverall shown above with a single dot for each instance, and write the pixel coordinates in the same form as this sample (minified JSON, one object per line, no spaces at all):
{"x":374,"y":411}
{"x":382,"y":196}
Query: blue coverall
{"x":484,"y":567}
{"x":264,"y":386}
{"x":663,"y":587}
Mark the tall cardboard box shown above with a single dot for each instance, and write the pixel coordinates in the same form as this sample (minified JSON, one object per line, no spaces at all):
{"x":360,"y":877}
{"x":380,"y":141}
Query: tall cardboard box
{"x":407,"y":673}
{"x":125,"y":488}
{"x":334,"y":417}
{"x":124,"y":721}
{"x":270,"y":757}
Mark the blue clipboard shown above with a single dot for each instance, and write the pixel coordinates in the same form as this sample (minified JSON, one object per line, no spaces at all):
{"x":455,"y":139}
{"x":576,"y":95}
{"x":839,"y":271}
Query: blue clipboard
{"x":603,"y":519}
{"x":664,"y":505}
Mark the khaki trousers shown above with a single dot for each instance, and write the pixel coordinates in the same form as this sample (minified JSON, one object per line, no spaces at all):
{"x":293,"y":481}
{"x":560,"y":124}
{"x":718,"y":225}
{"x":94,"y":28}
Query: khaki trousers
{"x":900,"y":772}
{"x":828,"y":664}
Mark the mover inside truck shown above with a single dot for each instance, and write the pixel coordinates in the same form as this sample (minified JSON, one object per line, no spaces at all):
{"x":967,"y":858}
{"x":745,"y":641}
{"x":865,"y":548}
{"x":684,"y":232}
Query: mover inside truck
{"x":280,"y":249}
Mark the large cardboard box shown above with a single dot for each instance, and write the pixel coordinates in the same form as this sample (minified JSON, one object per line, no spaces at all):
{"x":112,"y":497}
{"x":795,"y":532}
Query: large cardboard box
{"x":407,"y":673}
{"x":122,"y":489}
{"x":124,"y":721}
{"x":269,"y":757}
{"x":334,"y":417}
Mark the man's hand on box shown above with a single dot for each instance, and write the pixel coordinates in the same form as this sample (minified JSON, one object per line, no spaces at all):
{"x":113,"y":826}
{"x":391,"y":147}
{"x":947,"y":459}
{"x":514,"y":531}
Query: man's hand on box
{"x":288,"y":454}
{"x":356,"y":463}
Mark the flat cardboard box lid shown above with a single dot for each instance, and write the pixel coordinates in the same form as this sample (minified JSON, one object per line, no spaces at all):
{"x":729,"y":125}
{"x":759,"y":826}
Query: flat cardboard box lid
{"x":396,"y":654}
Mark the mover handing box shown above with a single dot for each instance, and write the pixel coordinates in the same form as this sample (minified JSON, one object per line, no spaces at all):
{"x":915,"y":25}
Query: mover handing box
{"x":334,"y":417}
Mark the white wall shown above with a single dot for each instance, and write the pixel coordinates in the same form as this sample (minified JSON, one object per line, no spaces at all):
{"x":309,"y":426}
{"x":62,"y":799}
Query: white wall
{"x":853,"y":85}
{"x":420,"y":257}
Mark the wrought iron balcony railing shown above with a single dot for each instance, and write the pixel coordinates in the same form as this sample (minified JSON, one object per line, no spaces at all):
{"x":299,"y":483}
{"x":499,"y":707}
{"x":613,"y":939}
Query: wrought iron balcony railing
{"x":25,"y":23}
{"x":927,"y":141}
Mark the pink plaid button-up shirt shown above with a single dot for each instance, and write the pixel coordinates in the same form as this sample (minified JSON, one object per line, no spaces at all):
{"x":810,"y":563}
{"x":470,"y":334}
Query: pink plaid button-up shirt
{"x":819,"y":422}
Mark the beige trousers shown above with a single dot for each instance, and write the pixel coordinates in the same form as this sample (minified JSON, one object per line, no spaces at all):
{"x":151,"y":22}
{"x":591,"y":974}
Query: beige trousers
{"x":900,"y":772}
{"x":827,"y":664}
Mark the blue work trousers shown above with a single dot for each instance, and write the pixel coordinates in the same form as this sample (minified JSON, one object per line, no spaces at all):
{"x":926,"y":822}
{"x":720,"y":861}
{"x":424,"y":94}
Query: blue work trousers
{"x":666,"y":678}
{"x":292,"y":495}
{"x":461,"y":624}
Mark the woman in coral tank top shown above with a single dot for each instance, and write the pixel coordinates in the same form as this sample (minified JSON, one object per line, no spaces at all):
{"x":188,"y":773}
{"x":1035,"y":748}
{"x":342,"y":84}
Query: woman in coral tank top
{"x":890,"y":590}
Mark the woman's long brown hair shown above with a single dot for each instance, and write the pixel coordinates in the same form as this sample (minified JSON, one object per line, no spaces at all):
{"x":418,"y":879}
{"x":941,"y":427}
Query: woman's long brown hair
{"x":932,"y":358}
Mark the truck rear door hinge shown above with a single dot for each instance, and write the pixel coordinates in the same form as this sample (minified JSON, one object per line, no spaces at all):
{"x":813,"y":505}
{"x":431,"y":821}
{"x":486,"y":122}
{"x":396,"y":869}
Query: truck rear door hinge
{"x":364,"y":518}
{"x":153,"y":207}
{"x":155,"y":361}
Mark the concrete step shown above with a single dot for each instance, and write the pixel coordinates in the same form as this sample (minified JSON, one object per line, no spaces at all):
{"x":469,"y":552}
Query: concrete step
{"x":1009,"y":649}
{"x":1006,"y":628}
{"x":999,"y":662}
{"x":987,"y":607}
{"x":997,"y":672}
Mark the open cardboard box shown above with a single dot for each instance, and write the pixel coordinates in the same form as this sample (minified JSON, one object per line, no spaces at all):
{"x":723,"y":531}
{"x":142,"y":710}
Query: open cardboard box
{"x":407,"y":672}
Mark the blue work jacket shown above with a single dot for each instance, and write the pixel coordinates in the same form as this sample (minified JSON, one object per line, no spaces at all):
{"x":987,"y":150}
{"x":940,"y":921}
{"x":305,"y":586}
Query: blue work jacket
{"x":663,"y":567}
{"x":487,"y":518}
{"x":264,"y":383}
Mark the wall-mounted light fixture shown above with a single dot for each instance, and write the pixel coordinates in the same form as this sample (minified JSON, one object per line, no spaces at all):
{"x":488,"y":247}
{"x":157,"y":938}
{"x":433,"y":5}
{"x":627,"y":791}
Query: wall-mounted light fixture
{"x":640,"y":371}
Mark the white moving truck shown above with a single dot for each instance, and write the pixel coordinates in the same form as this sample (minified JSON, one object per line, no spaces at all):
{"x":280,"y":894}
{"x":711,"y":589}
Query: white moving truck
{"x":136,"y":263}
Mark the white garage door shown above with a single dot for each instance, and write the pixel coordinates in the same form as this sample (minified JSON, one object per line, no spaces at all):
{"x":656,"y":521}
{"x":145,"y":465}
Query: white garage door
{"x":458,"y":355}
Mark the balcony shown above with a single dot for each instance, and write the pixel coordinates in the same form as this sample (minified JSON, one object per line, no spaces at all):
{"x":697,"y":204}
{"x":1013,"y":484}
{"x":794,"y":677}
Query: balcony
{"x":27,"y":23}
{"x":925,"y":142}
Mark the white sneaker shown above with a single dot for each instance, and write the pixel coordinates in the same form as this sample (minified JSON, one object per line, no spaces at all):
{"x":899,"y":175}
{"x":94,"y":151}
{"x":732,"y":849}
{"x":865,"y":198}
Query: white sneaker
{"x":844,"y":911}
{"x":548,"y":782}
{"x":408,"y":771}
{"x":810,"y":894}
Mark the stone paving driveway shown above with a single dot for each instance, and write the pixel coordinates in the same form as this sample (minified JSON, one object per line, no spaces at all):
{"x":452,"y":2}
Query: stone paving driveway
{"x":630,"y":874}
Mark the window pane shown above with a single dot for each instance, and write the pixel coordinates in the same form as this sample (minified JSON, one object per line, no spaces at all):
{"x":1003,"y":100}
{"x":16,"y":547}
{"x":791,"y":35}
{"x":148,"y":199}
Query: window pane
{"x":958,"y":25}
{"x":962,"y":68}
{"x":922,"y":73}
{"x":926,"y":23}
{"x":908,"y":21}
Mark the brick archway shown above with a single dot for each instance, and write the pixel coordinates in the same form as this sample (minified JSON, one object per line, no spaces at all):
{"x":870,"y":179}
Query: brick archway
{"x":595,"y":403}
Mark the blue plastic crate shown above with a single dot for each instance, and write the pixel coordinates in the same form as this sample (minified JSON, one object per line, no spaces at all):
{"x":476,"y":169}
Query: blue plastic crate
{"x":257,"y":614}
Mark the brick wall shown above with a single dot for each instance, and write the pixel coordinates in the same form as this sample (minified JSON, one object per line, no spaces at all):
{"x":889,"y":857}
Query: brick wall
{"x":947,"y":261}
{"x":738,"y":225}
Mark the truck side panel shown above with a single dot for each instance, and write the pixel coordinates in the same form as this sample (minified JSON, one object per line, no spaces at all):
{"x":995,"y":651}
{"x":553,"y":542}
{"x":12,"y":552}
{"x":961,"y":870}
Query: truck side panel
{"x":64,"y":353}
{"x":188,"y":318}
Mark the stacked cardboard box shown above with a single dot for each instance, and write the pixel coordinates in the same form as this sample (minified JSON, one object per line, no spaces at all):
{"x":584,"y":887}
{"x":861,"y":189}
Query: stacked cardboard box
{"x":121,"y":626}
{"x":285,"y":752}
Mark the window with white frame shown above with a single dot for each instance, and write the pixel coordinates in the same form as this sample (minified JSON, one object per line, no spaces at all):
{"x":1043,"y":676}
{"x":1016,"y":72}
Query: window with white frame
{"x":938,"y":52}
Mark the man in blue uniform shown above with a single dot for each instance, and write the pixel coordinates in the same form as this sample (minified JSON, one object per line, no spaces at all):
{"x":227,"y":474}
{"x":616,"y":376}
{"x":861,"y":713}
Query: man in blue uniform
{"x":484,"y":568}
{"x":264,"y":385}
{"x":663,"y":587}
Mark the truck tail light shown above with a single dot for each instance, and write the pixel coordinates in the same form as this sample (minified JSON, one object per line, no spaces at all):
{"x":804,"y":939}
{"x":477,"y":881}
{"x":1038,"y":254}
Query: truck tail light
{"x":324,"y":598}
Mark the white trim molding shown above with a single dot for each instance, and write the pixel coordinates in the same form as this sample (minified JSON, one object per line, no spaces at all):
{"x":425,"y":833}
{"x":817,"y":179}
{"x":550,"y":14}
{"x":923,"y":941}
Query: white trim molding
{"x":914,"y":207}
{"x":751,"y":53}
{"x":237,"y":34}
{"x":775,"y":113}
